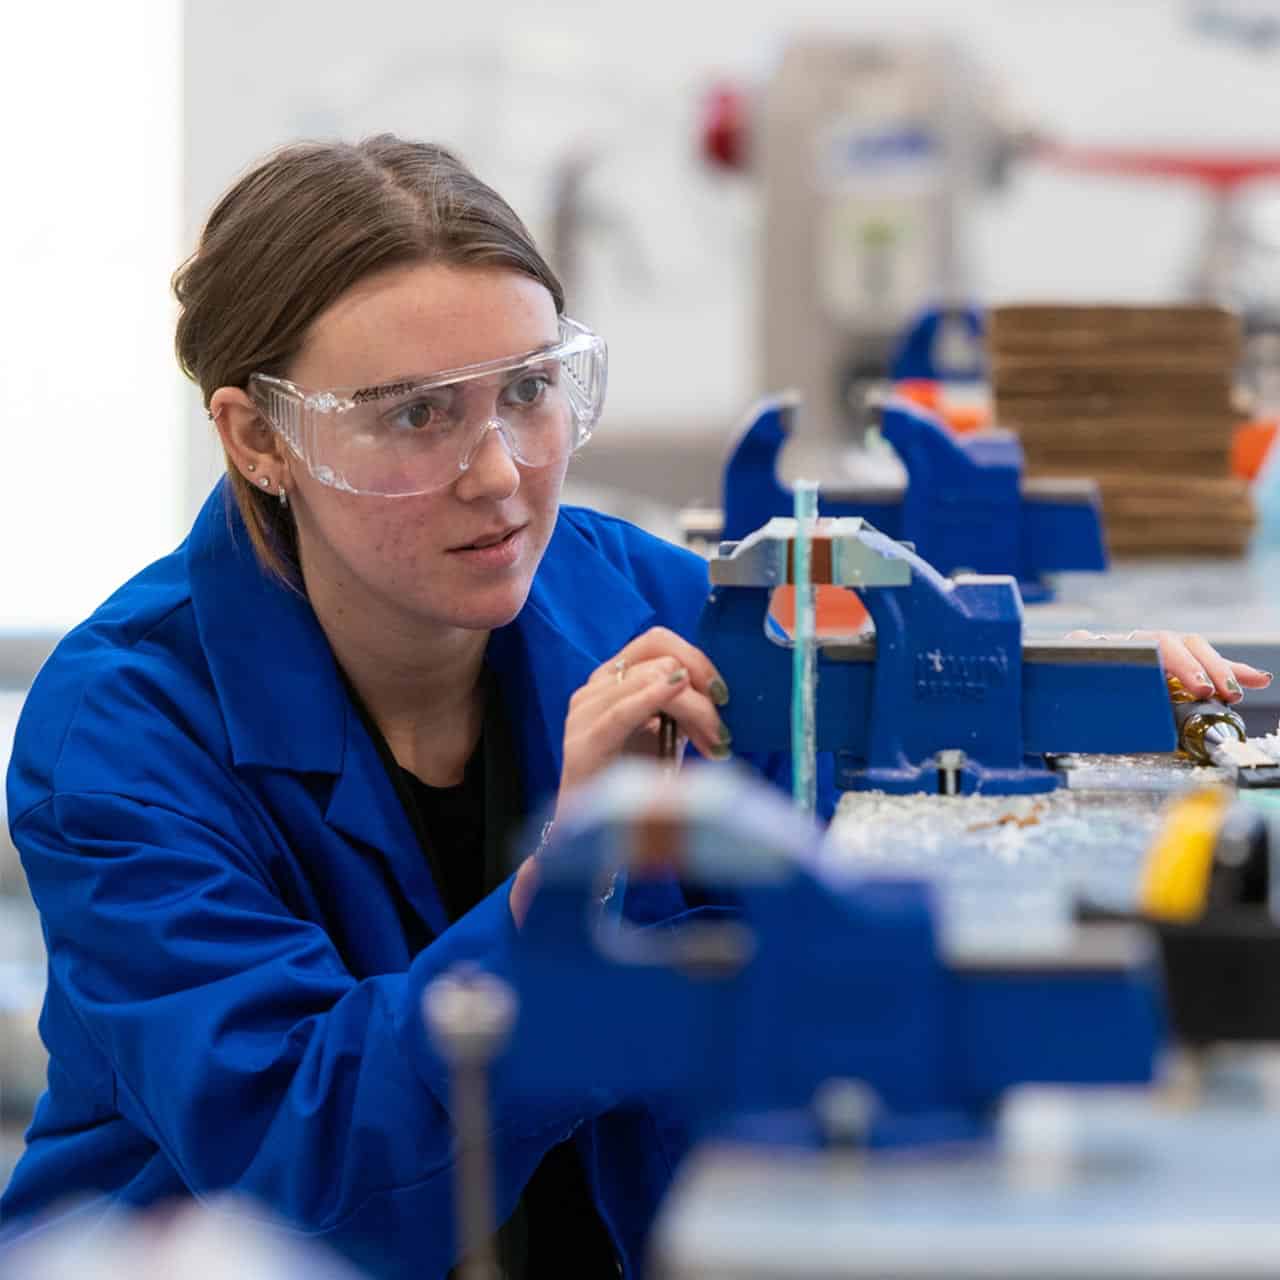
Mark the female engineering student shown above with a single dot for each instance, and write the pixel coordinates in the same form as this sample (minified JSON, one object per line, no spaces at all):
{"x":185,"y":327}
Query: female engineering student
{"x":261,"y":795}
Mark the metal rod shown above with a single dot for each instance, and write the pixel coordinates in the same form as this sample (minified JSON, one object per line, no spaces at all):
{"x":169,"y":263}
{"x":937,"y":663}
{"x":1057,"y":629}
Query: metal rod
{"x":469,"y":1015}
{"x":804,"y":667}
{"x":475,"y":1210}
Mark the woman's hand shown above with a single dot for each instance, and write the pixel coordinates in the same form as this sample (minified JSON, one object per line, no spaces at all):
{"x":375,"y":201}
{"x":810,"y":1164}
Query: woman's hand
{"x":1203,"y":671}
{"x":616,"y":712}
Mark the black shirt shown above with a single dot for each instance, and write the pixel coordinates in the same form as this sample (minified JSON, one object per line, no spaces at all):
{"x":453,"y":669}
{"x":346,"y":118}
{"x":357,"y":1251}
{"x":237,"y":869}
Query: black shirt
{"x":465,"y":832}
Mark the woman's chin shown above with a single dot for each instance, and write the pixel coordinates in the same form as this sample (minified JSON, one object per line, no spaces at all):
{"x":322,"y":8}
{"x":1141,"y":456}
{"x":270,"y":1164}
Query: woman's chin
{"x":489,"y":612}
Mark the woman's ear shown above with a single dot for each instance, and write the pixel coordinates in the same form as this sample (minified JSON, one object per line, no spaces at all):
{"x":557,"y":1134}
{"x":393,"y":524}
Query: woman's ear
{"x":248,"y":438}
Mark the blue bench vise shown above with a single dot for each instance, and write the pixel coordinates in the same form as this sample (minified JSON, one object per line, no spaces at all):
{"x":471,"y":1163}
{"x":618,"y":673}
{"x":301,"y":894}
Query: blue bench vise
{"x":966,"y":504}
{"x":947,"y":696}
{"x":811,"y":978}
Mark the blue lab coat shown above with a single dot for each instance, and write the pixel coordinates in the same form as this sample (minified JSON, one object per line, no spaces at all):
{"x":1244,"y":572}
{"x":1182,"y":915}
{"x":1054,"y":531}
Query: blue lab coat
{"x":240,"y":921}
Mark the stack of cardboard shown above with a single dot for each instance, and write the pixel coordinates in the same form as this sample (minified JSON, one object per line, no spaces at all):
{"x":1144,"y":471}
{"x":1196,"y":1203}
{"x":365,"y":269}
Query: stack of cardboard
{"x":1139,"y":398}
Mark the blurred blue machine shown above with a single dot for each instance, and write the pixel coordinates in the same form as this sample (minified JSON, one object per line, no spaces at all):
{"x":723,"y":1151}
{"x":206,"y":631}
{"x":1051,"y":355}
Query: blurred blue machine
{"x":947,"y":696}
{"x":966,"y":505}
{"x":941,"y":344}
{"x":869,"y":1098}
{"x":747,"y":1017}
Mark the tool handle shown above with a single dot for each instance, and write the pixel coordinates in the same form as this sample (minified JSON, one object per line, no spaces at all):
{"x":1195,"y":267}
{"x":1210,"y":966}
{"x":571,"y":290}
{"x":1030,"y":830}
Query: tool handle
{"x":1192,"y":719}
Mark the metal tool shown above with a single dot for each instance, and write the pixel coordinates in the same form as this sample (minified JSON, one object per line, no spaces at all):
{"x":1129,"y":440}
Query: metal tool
{"x":965,"y":505}
{"x":469,"y":1014}
{"x":668,"y":740}
{"x":947,"y":691}
{"x":1211,"y":732}
{"x":1205,"y":727}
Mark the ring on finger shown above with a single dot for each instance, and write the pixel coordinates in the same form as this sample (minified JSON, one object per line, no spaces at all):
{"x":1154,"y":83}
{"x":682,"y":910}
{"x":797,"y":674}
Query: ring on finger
{"x":619,"y":668}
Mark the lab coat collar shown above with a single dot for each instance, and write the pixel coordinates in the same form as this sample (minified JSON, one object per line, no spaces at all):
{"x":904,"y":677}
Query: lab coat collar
{"x":275,"y":676}
{"x":278,"y":683}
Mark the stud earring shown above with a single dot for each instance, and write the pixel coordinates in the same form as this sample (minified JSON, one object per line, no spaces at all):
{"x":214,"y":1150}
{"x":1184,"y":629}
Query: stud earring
{"x":253,"y":466}
{"x":284,"y":497}
{"x":265,"y":482}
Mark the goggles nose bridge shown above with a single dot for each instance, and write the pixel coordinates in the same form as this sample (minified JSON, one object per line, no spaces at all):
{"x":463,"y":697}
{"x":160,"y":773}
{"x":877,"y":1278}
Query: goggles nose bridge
{"x":491,"y":423}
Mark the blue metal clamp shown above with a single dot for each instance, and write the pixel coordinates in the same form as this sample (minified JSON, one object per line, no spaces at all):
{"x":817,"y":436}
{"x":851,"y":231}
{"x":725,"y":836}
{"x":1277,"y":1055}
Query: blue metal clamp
{"x":966,"y":504}
{"x":810,"y":978}
{"x":946,"y":685}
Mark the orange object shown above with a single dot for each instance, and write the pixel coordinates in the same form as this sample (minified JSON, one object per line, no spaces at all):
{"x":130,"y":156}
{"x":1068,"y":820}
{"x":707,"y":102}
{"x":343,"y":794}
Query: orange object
{"x":922,"y":391}
{"x":965,"y":418}
{"x":930,"y":395}
{"x":1249,"y":447}
{"x":837,"y":611}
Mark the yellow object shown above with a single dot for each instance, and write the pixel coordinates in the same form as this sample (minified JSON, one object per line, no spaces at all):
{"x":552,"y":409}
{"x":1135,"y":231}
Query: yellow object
{"x":1175,"y":879}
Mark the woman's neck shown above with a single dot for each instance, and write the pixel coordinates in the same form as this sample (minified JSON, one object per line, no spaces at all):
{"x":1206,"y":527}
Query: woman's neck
{"x":422,"y":688}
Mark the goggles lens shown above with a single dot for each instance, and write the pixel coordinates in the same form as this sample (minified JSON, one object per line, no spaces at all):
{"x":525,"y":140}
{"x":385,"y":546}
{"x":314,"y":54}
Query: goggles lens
{"x":418,"y":434}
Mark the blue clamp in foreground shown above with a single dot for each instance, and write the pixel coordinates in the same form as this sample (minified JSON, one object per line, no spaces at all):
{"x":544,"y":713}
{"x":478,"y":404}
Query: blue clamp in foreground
{"x":810,"y":979}
{"x":966,"y":504}
{"x":947,"y":696}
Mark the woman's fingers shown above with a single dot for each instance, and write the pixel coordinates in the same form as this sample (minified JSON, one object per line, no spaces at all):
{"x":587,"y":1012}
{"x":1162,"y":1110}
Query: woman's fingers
{"x":660,"y":642}
{"x":1251,"y":677}
{"x":698,"y":720}
{"x":523,"y":887}
{"x":602,"y":715}
{"x":1201,"y":678}
{"x":1218,"y":669}
{"x":694,"y":712}
{"x":1202,"y":670}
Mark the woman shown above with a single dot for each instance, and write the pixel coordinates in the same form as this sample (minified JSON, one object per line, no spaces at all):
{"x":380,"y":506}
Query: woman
{"x":261,"y":795}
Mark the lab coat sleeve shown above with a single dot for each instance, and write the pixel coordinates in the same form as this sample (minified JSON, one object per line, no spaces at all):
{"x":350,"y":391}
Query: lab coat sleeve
{"x":240,"y":1044}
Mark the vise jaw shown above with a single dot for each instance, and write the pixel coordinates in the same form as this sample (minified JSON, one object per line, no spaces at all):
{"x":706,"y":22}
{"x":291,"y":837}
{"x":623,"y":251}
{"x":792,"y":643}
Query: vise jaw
{"x":966,"y":504}
{"x":947,"y":696}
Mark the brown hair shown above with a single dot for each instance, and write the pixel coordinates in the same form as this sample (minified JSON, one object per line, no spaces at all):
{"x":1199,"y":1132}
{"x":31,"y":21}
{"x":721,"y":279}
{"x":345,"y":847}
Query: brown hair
{"x":297,"y":231}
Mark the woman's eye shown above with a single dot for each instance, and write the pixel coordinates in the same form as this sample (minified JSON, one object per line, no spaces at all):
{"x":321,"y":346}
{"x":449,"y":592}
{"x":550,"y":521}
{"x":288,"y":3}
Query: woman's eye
{"x":417,"y":416}
{"x":528,"y":390}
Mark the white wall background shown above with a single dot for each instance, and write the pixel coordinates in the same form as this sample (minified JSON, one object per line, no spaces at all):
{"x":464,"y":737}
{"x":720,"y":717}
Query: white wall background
{"x":115,"y":113}
{"x":515,"y":87}
{"x":93,"y":441}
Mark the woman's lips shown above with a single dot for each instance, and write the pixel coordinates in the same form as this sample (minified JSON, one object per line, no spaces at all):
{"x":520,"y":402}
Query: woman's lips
{"x":493,"y":555}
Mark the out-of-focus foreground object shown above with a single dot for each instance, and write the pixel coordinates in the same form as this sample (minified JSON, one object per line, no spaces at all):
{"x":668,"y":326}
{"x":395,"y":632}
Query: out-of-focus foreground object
{"x":868,"y":1082}
{"x":222,"y":1240}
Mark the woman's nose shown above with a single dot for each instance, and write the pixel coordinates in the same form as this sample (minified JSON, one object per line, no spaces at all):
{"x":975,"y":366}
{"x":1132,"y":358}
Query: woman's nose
{"x":489,"y":470}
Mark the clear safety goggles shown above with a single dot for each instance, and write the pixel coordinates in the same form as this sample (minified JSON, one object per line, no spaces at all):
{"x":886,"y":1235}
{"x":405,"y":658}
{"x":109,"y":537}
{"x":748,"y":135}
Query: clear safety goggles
{"x":418,"y":434}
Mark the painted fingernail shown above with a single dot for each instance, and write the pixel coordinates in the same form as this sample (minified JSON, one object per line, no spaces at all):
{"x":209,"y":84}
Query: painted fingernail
{"x":1267,"y":674}
{"x":678,"y":676}
{"x":1233,"y":686}
{"x":724,"y":735}
{"x":1203,"y":680}
{"x":719,"y":692}
{"x":722,"y":752}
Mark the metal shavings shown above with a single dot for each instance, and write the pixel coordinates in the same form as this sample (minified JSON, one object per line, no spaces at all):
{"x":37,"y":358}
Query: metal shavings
{"x":1018,"y":820}
{"x":1007,"y":869}
{"x":1242,"y":755}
